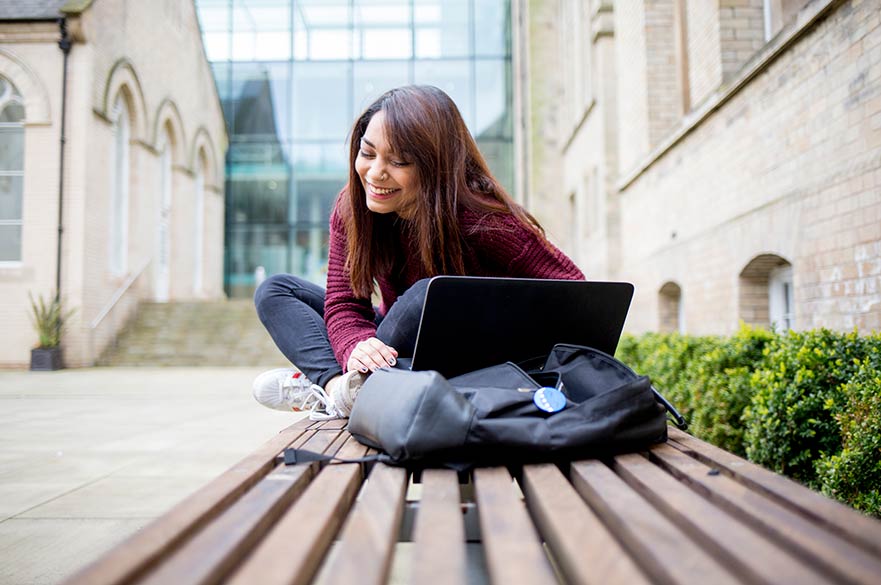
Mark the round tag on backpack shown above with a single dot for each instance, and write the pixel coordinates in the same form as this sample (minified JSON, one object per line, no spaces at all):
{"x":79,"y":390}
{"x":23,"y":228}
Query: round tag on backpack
{"x":549,"y":399}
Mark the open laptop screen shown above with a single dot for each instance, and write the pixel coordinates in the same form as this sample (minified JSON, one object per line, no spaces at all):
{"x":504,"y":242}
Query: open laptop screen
{"x":474,"y":322}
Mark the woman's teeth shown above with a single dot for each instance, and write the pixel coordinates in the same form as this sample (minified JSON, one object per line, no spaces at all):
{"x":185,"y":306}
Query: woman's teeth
{"x":379,"y":191}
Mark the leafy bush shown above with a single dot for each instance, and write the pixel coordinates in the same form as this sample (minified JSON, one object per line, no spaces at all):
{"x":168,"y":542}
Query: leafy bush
{"x":721,"y":388}
{"x":854,"y":474}
{"x":791,"y":420}
{"x":805,"y":404}
{"x":665,"y":357}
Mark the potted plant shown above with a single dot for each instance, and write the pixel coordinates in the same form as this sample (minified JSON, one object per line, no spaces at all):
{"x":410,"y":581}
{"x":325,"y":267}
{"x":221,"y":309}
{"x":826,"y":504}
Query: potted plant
{"x":48,"y":319}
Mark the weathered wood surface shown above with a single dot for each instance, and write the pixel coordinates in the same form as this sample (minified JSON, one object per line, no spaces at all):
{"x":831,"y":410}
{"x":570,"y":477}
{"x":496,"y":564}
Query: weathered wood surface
{"x":683,"y":512}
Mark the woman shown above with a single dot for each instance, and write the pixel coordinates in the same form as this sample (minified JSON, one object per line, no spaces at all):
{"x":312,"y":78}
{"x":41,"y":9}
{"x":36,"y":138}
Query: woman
{"x":420,"y":201}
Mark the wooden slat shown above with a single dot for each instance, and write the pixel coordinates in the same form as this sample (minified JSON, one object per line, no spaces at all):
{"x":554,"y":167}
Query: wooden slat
{"x":148,"y":546}
{"x":439,"y":534}
{"x":584,"y":549}
{"x":837,"y":517}
{"x":752,"y":557}
{"x":514,"y":553}
{"x":333,"y":424}
{"x":368,"y":539}
{"x":213,"y":552}
{"x":292,"y":552}
{"x":826,"y":551}
{"x":658,"y":546}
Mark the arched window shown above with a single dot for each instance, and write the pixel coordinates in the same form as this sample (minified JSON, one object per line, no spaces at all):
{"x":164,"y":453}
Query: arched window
{"x":164,"y":234}
{"x":11,"y":171}
{"x":119,"y":188}
{"x":766,"y":293}
{"x":199,"y":244}
{"x":670,"y":311}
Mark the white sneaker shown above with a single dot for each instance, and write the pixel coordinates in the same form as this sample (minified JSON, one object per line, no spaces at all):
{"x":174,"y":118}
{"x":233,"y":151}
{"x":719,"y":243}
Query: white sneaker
{"x":289,"y":390}
{"x":343,"y":393}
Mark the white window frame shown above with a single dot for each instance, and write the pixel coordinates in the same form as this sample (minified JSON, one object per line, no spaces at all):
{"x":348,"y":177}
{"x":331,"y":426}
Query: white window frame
{"x":12,"y":96}
{"x":120,"y":157}
{"x":199,"y":244}
{"x":781,"y":299}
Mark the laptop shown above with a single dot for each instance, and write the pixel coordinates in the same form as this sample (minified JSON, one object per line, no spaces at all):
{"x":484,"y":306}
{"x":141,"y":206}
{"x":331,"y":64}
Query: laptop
{"x":473,"y":322}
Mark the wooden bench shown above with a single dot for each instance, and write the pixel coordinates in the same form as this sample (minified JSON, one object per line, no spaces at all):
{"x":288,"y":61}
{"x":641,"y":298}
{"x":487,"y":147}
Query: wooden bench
{"x":684,"y":512}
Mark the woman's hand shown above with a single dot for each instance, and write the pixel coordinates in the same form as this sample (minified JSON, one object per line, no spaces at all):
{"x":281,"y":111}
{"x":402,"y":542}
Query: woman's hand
{"x":370,"y":355}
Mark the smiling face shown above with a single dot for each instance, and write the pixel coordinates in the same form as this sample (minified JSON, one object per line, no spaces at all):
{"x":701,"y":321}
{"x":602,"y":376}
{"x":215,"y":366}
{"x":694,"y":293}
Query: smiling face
{"x":389,"y":178}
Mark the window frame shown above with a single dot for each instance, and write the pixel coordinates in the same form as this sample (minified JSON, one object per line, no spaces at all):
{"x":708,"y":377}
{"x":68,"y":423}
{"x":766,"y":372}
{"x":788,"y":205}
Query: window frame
{"x":13,"y":97}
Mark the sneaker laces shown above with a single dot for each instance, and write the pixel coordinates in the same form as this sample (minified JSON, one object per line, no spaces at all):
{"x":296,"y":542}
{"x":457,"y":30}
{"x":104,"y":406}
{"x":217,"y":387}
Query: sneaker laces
{"x":301,"y":394}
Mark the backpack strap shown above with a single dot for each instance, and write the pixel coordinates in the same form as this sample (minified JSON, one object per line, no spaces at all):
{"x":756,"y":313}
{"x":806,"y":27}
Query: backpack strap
{"x":299,"y":456}
{"x":677,"y":419}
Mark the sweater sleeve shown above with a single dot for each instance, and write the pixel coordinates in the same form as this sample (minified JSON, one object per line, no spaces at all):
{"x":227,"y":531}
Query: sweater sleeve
{"x":524,"y":254}
{"x":349,"y":319}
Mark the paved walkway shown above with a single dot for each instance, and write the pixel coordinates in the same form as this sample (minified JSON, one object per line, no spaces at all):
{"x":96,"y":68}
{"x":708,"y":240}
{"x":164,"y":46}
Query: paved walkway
{"x":89,"y":456}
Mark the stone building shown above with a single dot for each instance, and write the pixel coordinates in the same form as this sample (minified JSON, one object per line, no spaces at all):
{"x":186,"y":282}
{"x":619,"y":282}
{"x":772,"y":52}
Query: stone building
{"x":141,"y":195}
{"x":722,"y":155}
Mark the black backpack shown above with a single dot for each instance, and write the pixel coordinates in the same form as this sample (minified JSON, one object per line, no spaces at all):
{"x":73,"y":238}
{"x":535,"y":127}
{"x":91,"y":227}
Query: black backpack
{"x":494,"y":416}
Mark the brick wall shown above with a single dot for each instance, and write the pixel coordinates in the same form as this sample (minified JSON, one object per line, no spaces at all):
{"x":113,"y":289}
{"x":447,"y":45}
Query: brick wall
{"x":741,"y":33}
{"x":783,"y":167}
{"x":788,"y":166}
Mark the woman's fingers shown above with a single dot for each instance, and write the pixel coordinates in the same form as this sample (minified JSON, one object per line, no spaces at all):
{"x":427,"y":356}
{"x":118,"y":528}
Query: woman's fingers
{"x":372,"y":354}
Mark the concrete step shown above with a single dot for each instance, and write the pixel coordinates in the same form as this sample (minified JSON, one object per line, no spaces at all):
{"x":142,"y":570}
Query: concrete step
{"x":216,"y":333}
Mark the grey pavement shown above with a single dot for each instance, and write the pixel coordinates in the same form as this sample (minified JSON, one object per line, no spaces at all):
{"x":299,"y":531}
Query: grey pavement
{"x":89,"y":456}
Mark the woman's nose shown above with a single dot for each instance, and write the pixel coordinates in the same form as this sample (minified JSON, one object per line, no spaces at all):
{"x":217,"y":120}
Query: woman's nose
{"x":376,"y":171}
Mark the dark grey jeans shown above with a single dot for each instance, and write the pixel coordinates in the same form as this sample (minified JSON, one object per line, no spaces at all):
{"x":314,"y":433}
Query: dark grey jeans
{"x":292,"y":310}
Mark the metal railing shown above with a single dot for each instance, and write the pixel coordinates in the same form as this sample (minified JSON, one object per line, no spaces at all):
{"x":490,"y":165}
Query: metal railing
{"x":117,"y":296}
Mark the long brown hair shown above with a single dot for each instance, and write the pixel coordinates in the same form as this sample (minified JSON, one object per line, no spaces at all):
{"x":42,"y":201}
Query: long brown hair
{"x":422,"y":125}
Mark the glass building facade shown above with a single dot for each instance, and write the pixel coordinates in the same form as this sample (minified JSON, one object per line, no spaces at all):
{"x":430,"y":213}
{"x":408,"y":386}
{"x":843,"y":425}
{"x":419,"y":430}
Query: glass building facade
{"x":293,"y":75}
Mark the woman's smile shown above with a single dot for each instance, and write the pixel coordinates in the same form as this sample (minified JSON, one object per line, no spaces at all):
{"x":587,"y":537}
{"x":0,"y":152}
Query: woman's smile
{"x":380,"y":192}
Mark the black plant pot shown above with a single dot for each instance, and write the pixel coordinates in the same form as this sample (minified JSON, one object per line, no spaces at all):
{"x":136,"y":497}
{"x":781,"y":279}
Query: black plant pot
{"x":44,"y":359}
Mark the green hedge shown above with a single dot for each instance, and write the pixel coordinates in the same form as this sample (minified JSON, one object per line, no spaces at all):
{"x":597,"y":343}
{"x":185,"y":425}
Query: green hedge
{"x":806,"y":404}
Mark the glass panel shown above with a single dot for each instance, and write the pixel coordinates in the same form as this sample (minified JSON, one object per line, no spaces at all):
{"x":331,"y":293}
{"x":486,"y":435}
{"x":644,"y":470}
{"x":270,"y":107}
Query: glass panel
{"x":258,"y":192}
{"x":373,"y":78}
{"x":382,"y":13}
{"x":10,"y":243}
{"x":386,"y":43}
{"x":382,"y":29}
{"x":261,"y":30}
{"x":492,"y":23}
{"x":252,"y":246}
{"x":216,"y":45}
{"x":325,"y":160}
{"x":13,"y":112}
{"x":443,"y":29}
{"x":499,"y":155}
{"x":261,"y":94}
{"x":322,"y":30}
{"x":322,"y":105}
{"x":494,"y":97}
{"x":454,"y":77}
{"x":11,"y":148}
{"x":10,"y":197}
{"x":308,"y":253}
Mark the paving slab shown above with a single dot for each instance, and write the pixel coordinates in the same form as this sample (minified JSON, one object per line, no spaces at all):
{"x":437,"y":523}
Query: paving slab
{"x":88,"y":456}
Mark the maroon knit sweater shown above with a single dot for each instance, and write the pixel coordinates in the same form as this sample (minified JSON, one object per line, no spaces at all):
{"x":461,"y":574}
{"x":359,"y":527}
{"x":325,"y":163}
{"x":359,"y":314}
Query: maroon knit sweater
{"x":495,"y":244}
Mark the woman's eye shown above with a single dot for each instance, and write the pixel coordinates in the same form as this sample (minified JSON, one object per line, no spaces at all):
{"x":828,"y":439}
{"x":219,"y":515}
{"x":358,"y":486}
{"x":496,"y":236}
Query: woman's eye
{"x":366,"y":154}
{"x":400,"y":163}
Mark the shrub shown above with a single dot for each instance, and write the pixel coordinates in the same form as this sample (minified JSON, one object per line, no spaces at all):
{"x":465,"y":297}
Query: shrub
{"x":720,"y":387}
{"x":665,"y":357}
{"x":791,"y":419}
{"x":854,"y":474}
